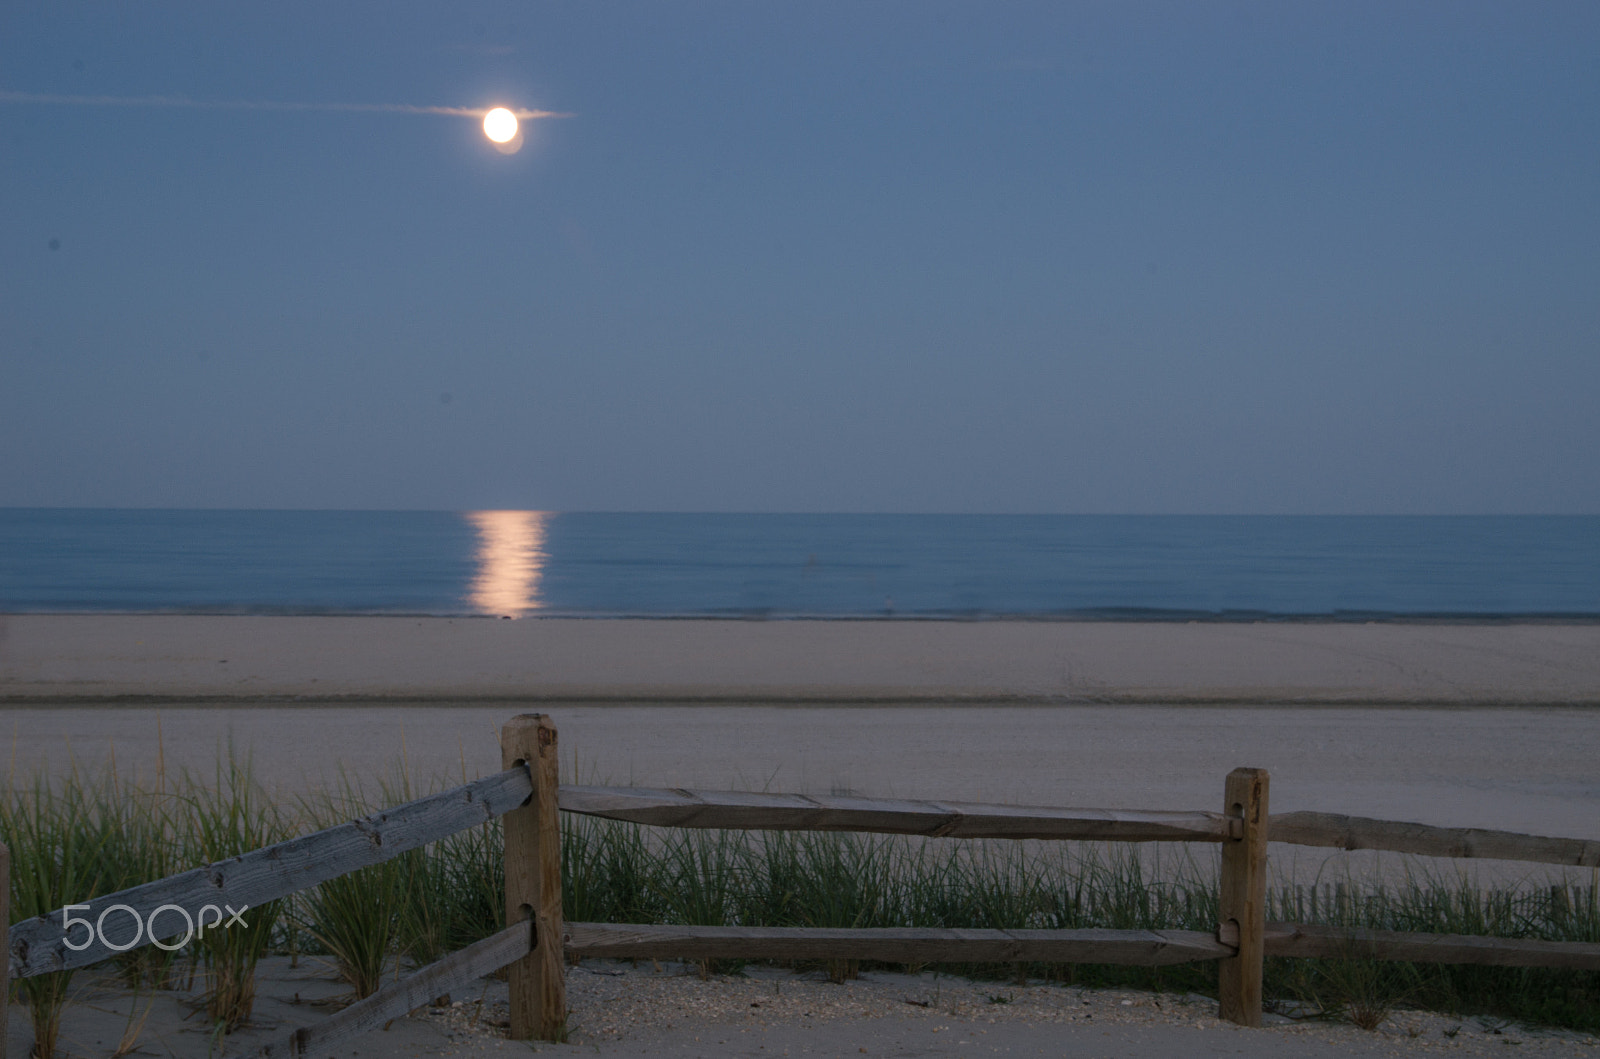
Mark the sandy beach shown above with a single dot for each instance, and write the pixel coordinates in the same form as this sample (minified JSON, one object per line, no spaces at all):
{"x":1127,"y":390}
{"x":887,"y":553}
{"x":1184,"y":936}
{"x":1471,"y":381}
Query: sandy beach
{"x":1496,"y":728}
{"x":59,"y":658}
{"x":1486,"y":725}
{"x":1452,"y":725}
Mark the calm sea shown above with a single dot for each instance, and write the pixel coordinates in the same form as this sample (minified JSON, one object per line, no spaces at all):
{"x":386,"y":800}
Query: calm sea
{"x":524,"y":563}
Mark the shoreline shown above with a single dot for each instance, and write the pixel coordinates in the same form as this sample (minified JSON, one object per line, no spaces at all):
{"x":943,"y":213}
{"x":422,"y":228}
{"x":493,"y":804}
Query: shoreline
{"x":757,"y":697}
{"x":139,"y":659}
{"x":1105,"y":616}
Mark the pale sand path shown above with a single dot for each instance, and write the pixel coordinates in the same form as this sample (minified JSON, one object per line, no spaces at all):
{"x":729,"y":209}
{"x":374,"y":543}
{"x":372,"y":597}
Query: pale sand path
{"x":1524,"y":768}
{"x":58,"y":657}
{"x":1517,"y":768}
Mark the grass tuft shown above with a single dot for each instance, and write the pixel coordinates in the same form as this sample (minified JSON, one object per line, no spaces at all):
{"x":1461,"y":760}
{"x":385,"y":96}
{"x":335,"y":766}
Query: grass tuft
{"x":356,"y":917}
{"x":58,"y":840}
{"x":219,"y":820}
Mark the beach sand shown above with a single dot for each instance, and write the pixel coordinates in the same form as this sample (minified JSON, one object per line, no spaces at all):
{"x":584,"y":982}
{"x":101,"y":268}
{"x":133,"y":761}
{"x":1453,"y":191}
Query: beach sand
{"x":62,"y":657}
{"x":667,"y":1010}
{"x":1125,"y":715}
{"x":1070,"y":714}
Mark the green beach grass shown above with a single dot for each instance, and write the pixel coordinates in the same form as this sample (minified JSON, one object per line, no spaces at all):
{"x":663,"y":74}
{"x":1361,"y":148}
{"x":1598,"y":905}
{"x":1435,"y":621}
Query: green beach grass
{"x":80,"y":838}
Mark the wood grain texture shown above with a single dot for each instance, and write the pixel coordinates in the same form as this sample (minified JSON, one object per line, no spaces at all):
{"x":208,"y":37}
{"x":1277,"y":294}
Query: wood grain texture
{"x":739,"y":810}
{"x":1242,"y":895}
{"x":1148,"y":948}
{"x":251,"y":879}
{"x":456,"y":971}
{"x":548,"y":954}
{"x":533,"y":881}
{"x":1301,"y":939}
{"x":1360,"y":832}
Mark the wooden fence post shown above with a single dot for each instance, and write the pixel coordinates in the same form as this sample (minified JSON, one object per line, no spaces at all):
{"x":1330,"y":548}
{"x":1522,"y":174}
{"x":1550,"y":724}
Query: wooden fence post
{"x":533,"y":881}
{"x":1241,"y":904}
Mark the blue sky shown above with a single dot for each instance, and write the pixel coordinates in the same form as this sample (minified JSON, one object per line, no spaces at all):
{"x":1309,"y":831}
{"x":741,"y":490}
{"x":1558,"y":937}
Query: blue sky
{"x":1108,"y":257}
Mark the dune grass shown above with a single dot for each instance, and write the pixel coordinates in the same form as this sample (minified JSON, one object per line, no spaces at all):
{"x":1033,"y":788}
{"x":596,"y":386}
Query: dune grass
{"x":212,"y":822}
{"x":79,"y":839}
{"x":58,"y":840}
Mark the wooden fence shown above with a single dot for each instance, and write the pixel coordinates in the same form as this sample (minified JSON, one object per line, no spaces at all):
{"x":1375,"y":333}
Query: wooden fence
{"x":536,"y":942}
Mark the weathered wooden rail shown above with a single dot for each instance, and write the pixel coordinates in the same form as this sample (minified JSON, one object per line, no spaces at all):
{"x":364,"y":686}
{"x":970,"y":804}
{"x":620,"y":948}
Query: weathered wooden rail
{"x":1424,"y":840}
{"x":742,"y":811}
{"x":529,"y":798}
{"x":39,"y":945}
{"x":1147,"y":948}
{"x":459,"y":969}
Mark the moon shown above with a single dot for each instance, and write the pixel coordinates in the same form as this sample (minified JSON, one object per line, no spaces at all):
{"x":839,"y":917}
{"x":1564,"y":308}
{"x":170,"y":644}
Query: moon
{"x":500,"y":125}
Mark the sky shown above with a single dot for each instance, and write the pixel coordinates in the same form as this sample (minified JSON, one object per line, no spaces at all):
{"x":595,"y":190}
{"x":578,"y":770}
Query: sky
{"x":1112,"y":257}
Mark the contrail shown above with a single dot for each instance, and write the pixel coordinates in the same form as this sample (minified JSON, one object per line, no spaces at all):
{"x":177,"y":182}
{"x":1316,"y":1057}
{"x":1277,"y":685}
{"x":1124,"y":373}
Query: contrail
{"x":244,"y":104}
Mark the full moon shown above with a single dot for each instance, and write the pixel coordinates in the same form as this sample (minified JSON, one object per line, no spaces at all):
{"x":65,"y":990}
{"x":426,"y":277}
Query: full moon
{"x":500,"y":125}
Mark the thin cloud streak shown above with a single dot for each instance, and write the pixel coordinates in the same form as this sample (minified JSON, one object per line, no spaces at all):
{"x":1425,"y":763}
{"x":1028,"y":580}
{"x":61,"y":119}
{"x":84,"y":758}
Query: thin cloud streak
{"x":245,"y":104}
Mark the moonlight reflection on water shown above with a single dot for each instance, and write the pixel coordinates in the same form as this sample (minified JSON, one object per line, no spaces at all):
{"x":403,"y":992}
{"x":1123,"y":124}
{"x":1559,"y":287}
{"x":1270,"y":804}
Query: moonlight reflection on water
{"x":510,"y":558}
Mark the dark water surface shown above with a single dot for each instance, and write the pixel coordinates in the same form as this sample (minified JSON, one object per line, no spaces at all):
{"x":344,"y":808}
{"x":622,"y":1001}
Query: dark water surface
{"x":937,"y":566}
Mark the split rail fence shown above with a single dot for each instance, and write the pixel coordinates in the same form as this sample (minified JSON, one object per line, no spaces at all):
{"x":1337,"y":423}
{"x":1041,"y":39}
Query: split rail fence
{"x":529,"y":797}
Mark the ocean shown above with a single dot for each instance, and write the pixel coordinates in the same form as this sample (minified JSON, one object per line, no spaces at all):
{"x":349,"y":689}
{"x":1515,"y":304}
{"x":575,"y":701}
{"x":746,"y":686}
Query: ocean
{"x":954,"y":567}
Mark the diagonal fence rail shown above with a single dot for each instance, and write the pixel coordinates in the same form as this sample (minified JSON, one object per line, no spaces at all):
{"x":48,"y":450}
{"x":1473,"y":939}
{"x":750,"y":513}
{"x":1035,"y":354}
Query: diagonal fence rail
{"x":534,"y":945}
{"x":457,"y":970}
{"x":47,"y":943}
